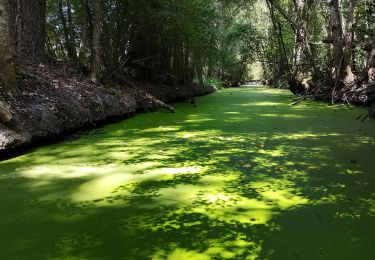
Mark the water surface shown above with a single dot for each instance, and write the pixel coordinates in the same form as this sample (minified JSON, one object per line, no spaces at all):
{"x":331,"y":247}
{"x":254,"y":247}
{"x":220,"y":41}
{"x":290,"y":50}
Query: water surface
{"x":244,"y":175}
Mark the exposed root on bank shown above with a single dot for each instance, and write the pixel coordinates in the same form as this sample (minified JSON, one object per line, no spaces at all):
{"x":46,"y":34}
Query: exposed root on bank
{"x":358,"y":93}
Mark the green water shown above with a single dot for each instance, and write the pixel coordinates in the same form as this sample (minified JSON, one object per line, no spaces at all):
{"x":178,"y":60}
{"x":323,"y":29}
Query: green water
{"x":242,"y":176}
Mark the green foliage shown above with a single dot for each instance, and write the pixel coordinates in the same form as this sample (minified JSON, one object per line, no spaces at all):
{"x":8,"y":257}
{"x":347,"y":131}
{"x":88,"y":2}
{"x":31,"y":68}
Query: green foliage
{"x":365,"y":30}
{"x":187,"y":40}
{"x":194,"y":40}
{"x":214,"y":82}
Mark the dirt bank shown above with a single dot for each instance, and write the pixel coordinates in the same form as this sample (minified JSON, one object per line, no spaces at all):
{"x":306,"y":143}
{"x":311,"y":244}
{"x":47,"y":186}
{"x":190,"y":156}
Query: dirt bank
{"x":54,"y":100}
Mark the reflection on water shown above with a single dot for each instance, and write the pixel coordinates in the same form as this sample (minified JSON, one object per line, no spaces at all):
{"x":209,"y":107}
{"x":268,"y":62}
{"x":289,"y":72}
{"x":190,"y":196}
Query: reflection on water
{"x":243,"y":175}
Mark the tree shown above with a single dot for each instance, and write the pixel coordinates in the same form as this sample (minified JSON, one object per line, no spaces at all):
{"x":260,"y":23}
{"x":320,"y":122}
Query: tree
{"x":84,"y":30}
{"x":95,"y":46}
{"x":68,"y":28}
{"x":342,"y":41}
{"x":371,"y":65}
{"x":348,"y":76}
{"x":7,"y":72}
{"x":28,"y":20}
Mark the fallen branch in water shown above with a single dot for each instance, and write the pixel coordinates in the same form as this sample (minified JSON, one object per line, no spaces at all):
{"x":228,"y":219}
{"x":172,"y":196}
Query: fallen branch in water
{"x":299,"y":99}
{"x":159,"y":103}
{"x":166,"y":106}
{"x":370,"y":114}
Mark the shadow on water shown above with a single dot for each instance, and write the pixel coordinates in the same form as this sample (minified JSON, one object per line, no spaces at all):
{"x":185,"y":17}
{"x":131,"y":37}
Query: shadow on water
{"x":242,"y":176}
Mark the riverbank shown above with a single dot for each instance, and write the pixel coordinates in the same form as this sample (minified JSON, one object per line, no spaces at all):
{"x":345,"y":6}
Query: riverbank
{"x":52,"y":101}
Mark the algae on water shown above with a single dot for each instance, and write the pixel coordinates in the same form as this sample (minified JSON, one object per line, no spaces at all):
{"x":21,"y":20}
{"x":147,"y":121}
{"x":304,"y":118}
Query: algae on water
{"x":241,"y":176}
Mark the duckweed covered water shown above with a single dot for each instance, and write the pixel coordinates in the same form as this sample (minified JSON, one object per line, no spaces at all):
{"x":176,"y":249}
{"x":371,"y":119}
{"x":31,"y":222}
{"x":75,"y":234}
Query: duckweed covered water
{"x":242,"y":176}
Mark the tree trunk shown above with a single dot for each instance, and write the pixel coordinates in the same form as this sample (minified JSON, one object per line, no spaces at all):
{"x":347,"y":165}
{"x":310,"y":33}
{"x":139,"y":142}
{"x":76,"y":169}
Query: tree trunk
{"x":71,"y":31}
{"x":7,"y":72}
{"x":371,"y":64}
{"x":299,"y":35}
{"x":336,"y":32}
{"x":95,"y":48}
{"x":281,"y":56}
{"x":28,"y":20}
{"x":342,"y":43}
{"x":69,"y":42}
{"x":301,"y":40}
{"x":347,"y":63}
{"x":84,"y":30}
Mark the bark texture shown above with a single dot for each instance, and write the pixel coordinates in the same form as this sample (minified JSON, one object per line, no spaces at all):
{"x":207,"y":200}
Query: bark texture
{"x":84,"y":31}
{"x":300,"y":36}
{"x":371,"y":64}
{"x":95,"y":48}
{"x":337,"y":39}
{"x":342,"y":41}
{"x":7,"y":72}
{"x":348,"y":76}
{"x":28,"y":21}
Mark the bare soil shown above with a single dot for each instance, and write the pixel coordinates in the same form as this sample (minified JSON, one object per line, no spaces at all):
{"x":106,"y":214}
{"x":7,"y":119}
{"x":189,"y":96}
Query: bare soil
{"x":55,"y":100}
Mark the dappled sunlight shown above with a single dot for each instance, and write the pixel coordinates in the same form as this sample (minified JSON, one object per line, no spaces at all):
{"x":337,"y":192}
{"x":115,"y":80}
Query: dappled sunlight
{"x":77,"y":171}
{"x":212,"y":182}
{"x":100,"y":188}
{"x":228,"y":250}
{"x":279,"y":193}
{"x":304,"y":135}
{"x":371,"y":205}
{"x":198,"y":120}
{"x":232,"y":209}
{"x":264,"y":104}
{"x":159,"y":129}
{"x":198,"y":135}
{"x":173,"y":171}
{"x":180,"y":254}
{"x":284,"y":199}
{"x":281,"y":116}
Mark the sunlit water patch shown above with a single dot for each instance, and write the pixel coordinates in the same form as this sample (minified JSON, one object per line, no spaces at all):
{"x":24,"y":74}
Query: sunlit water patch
{"x":243,"y":175}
